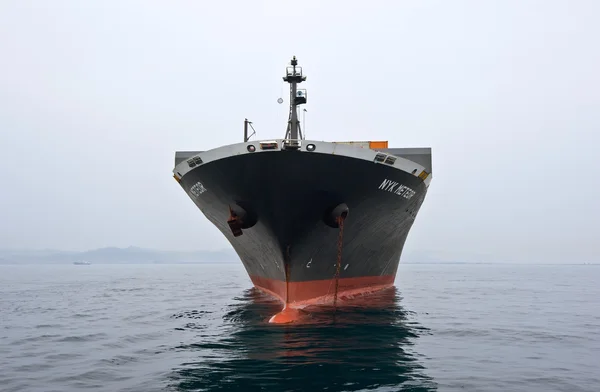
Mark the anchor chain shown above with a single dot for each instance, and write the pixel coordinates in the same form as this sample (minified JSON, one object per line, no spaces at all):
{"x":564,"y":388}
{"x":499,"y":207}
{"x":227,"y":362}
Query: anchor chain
{"x":340,"y":222}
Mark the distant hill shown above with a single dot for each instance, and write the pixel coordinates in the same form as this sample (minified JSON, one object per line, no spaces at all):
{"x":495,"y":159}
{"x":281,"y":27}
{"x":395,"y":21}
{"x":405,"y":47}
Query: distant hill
{"x":135,"y":255}
{"x":113,"y":255}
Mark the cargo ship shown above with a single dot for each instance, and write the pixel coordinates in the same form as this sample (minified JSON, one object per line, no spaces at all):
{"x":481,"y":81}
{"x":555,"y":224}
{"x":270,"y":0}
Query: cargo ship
{"x":313,"y":222}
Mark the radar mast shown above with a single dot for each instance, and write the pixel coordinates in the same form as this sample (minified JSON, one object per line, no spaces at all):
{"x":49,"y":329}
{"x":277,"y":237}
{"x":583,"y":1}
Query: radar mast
{"x":297,"y":97}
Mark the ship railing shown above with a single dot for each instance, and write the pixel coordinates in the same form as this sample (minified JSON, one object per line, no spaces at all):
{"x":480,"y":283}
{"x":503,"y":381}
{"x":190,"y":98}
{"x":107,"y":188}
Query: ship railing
{"x":290,"y":71}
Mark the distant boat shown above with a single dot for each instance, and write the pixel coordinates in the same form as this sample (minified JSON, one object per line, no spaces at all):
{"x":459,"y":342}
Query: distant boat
{"x":81,"y":263}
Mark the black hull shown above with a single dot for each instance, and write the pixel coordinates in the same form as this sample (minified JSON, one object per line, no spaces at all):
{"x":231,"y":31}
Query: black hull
{"x":287,"y":196}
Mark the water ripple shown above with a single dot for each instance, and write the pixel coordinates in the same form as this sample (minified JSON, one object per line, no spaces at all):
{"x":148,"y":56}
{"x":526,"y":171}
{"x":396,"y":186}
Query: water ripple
{"x":200,"y":328}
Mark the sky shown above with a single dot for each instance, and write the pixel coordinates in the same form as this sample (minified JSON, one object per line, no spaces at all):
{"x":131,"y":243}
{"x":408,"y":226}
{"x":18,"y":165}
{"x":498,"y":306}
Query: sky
{"x":95,"y":98}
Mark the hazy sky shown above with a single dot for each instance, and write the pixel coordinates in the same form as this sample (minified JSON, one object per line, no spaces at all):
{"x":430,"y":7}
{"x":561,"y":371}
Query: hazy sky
{"x":95,"y":97}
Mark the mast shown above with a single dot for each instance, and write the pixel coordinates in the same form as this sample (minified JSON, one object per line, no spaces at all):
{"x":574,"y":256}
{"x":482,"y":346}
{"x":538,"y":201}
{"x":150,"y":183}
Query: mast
{"x":246,"y":124}
{"x":297,"y":97}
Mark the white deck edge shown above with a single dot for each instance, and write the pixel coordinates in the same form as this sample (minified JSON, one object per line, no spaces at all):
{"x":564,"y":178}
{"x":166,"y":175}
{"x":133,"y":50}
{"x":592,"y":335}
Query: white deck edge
{"x":321,"y":147}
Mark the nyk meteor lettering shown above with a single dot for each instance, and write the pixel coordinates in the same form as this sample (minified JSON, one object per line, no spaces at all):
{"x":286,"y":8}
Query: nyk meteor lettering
{"x":397,"y":189}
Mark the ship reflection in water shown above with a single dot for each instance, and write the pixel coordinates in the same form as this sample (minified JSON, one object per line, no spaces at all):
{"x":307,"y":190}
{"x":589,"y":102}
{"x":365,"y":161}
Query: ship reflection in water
{"x":366,"y":345}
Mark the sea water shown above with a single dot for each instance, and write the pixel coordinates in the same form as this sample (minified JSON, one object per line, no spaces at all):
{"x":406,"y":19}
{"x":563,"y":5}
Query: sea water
{"x":456,"y":327}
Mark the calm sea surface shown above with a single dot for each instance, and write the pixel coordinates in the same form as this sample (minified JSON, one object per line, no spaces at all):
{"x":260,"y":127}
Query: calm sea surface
{"x":202,"y":328}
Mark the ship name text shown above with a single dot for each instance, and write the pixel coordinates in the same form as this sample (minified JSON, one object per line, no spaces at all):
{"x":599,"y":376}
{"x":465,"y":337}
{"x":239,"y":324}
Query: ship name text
{"x":197,"y":189}
{"x":397,"y":189}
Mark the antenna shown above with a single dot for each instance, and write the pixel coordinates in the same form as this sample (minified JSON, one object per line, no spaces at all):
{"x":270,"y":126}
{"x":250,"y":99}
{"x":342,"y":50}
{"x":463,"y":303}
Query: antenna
{"x":304,"y":120}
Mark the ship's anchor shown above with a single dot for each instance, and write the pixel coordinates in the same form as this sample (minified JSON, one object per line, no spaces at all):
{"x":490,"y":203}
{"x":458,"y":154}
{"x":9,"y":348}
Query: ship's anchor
{"x":340,"y":222}
{"x":241,"y":216}
{"x":235,"y":223}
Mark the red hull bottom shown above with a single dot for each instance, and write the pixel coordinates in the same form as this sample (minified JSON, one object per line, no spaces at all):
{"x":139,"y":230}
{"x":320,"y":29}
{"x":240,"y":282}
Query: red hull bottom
{"x":297,"y":295}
